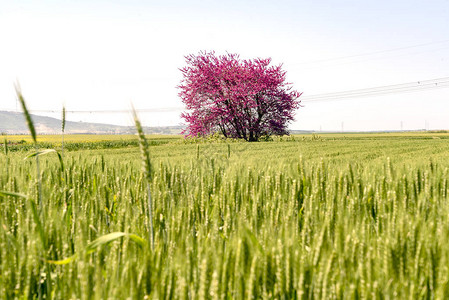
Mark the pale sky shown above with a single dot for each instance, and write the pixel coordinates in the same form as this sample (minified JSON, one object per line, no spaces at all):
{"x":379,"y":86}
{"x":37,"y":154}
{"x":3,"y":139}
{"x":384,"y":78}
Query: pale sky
{"x":103,"y":55}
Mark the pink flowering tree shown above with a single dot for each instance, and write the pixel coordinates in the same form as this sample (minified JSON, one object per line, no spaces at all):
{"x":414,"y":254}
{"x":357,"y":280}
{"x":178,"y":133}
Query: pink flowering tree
{"x":243,"y":99}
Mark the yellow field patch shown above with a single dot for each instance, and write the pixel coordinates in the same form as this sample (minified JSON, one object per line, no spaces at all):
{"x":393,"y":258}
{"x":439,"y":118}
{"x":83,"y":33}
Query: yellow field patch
{"x":88,"y":138}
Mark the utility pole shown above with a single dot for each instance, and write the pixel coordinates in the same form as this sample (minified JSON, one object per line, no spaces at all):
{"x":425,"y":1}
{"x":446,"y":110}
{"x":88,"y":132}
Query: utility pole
{"x":402,"y":128}
{"x":342,"y":126}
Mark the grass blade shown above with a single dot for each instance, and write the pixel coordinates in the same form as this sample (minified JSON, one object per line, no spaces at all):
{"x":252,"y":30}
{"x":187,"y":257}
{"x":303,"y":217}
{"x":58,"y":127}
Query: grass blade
{"x":63,"y":261}
{"x":107,"y":238}
{"x":46,"y":151}
{"x":39,"y":153}
{"x":11,"y":194}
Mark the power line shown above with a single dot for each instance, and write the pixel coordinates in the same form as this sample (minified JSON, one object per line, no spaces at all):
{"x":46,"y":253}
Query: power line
{"x":114,"y":111}
{"x":399,"y":85}
{"x":381,"y":90}
{"x":371,"y":53}
{"x":415,"y":86}
{"x":362,"y":60}
{"x":345,"y":97}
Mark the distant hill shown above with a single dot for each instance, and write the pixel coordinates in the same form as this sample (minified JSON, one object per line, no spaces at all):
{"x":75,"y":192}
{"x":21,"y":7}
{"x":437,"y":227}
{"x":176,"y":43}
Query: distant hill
{"x":14,"y":123}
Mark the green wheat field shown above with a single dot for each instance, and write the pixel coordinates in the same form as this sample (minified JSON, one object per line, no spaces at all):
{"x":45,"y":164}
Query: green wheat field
{"x":334,"y":216}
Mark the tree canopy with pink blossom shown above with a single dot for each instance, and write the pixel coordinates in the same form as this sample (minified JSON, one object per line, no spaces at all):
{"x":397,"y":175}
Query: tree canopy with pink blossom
{"x":244,"y":99}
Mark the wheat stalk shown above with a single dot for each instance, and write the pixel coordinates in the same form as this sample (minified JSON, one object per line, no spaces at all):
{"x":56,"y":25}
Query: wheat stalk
{"x":33,"y":135}
{"x":5,"y":144}
{"x":146,"y":168}
{"x":26,"y":113}
{"x":32,"y":130}
{"x":62,"y":130}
